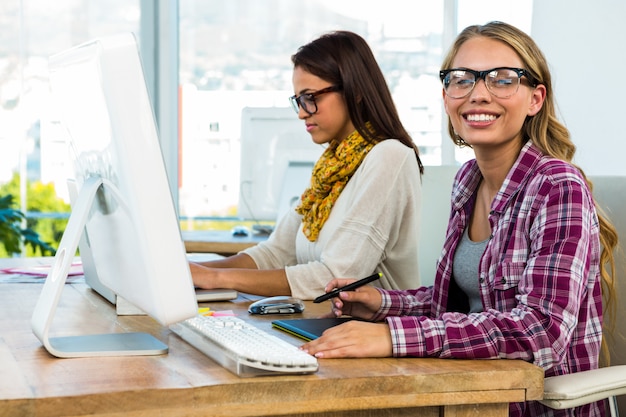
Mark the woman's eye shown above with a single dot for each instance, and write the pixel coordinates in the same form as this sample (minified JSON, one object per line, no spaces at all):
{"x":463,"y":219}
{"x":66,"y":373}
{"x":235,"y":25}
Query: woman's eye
{"x":463,"y":82}
{"x":502,"y":82}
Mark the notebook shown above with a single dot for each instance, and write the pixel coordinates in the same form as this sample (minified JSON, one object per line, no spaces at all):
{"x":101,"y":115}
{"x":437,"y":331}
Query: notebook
{"x":218,"y":294}
{"x":308,"y":329}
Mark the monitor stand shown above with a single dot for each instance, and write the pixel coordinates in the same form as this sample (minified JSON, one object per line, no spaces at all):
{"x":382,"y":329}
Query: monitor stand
{"x":90,"y":345}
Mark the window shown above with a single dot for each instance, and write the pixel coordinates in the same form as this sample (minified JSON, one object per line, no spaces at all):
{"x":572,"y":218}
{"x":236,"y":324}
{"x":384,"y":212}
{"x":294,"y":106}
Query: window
{"x":32,"y":151}
{"x":28,"y":36}
{"x":236,"y":54}
{"x":215,"y":57}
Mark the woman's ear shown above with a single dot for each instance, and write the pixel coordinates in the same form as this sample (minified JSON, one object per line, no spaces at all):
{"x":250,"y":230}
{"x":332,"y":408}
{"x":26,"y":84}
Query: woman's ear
{"x":537,"y":98}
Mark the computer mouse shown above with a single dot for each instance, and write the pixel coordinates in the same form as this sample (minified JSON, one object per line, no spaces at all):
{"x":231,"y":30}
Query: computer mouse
{"x":277,"y":305}
{"x":240,"y":231}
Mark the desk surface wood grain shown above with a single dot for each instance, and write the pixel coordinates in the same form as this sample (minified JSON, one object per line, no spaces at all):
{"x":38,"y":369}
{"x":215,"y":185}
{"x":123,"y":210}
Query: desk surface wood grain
{"x":185,"y":382}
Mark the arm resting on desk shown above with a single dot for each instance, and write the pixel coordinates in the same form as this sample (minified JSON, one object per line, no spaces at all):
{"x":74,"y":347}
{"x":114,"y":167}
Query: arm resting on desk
{"x":572,"y":390}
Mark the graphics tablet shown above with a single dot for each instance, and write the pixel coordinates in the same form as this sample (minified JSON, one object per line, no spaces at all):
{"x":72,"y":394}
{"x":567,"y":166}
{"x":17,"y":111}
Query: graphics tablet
{"x":308,"y":329}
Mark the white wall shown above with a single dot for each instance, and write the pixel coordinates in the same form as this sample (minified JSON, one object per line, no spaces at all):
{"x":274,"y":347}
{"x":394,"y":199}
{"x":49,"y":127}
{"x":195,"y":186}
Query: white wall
{"x":583,"y":39}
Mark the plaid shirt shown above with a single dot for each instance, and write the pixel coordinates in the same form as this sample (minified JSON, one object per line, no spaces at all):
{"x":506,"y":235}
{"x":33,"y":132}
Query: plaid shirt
{"x":539,"y":279}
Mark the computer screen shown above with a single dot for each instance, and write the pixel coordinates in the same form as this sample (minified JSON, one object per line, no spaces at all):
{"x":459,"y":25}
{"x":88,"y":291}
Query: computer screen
{"x":123,"y":207}
{"x":277,"y":157}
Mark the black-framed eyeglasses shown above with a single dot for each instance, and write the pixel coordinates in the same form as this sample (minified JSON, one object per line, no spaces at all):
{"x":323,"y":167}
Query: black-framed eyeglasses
{"x":307,"y":102}
{"x":502,"y":82}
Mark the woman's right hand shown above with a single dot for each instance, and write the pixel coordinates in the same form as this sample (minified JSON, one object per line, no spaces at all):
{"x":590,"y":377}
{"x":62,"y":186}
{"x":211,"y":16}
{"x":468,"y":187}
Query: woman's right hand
{"x":363,"y":302}
{"x":202,"y":275}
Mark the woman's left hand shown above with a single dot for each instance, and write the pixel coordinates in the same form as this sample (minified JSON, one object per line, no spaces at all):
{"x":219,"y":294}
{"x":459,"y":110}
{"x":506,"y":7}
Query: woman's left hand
{"x":353,"y":339}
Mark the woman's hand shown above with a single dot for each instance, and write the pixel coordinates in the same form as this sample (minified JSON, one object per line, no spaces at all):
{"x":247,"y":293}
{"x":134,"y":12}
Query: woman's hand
{"x":203,"y":276}
{"x":363,"y":302}
{"x":239,"y":273}
{"x":353,"y":339}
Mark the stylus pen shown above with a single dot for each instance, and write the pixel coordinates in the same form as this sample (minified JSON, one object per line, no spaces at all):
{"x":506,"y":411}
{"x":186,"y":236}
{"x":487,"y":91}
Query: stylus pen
{"x":349,"y":287}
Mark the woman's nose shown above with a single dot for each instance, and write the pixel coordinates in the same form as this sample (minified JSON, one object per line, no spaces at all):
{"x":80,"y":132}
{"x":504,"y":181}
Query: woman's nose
{"x":480,"y":92}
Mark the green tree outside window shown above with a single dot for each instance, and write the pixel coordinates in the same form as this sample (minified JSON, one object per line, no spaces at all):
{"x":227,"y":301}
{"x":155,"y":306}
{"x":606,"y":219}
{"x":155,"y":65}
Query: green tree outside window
{"x":41,"y":235}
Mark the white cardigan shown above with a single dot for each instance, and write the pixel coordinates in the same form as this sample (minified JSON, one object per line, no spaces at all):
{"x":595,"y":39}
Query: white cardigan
{"x":373,"y":226}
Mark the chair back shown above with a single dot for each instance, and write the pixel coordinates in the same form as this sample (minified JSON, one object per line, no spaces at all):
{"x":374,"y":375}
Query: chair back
{"x":436,"y":192}
{"x":610,"y":194}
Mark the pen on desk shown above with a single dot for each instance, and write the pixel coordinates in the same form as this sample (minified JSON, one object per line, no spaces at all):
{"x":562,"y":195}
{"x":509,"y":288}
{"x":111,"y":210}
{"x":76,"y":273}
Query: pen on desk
{"x":349,"y":287}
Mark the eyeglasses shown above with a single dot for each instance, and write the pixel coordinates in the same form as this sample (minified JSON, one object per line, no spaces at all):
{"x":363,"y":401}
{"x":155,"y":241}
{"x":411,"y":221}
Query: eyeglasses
{"x":307,"y":102}
{"x":502,"y":82}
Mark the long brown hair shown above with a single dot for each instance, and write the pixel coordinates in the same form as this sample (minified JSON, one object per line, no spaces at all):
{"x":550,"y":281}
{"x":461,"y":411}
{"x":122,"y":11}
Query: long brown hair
{"x":548,"y":134}
{"x":345,"y":59}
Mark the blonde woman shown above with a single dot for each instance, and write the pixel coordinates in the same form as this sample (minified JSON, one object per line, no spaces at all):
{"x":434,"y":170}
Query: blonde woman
{"x":523,"y":264}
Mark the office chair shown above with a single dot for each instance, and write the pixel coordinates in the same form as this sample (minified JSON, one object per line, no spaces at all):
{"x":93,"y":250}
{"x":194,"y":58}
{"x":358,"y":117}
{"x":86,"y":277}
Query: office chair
{"x":566,"y":391}
{"x":436,"y":190}
{"x":572,"y":390}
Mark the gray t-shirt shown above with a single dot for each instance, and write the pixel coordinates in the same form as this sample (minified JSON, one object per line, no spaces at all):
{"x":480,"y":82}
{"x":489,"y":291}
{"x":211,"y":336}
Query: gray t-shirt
{"x":465,"y":269}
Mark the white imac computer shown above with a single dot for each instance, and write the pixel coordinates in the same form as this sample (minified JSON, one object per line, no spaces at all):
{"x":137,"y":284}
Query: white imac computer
{"x":277,"y":158}
{"x":122,"y":204}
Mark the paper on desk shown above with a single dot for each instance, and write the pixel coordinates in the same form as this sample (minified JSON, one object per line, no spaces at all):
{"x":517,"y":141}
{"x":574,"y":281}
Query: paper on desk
{"x":42,"y":270}
{"x":35,"y":273}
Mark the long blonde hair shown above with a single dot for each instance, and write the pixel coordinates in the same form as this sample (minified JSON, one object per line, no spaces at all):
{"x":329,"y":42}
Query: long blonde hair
{"x":551,"y":136}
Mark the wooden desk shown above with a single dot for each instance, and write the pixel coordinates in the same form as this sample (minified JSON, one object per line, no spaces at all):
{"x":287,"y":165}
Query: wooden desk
{"x":187,"y":383}
{"x":218,"y":241}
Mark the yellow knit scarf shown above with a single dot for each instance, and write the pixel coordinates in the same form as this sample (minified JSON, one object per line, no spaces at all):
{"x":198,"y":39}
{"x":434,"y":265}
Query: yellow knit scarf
{"x":330,"y":175}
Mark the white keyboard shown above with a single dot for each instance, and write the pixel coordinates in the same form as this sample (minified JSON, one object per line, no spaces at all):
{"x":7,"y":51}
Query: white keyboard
{"x":242,"y":348}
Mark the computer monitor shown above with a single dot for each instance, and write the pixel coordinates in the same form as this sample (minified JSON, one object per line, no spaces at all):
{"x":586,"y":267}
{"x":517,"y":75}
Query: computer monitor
{"x":275,"y":152}
{"x":123,"y":203}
